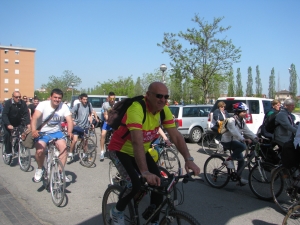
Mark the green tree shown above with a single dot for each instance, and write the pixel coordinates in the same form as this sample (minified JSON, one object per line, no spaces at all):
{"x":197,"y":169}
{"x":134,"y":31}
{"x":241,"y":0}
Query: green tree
{"x":123,"y":86}
{"x":138,"y":88}
{"x":64,"y":83}
{"x":249,"y":89}
{"x":239,"y":86}
{"x":272,"y":91}
{"x":175,"y":87}
{"x":293,"y":81}
{"x":258,"y":83}
{"x":208,"y":55}
{"x":230,"y":83}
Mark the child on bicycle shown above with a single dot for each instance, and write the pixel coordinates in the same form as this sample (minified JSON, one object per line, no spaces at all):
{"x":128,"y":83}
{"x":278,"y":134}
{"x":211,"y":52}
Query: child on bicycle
{"x":238,"y":133}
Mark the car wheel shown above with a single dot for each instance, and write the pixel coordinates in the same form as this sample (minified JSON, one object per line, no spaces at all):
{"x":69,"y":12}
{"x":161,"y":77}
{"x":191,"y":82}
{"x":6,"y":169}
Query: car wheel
{"x":195,"y":135}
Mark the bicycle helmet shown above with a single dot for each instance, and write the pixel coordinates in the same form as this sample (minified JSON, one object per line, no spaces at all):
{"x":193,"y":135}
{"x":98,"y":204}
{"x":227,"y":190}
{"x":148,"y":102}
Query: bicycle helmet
{"x":239,"y":107}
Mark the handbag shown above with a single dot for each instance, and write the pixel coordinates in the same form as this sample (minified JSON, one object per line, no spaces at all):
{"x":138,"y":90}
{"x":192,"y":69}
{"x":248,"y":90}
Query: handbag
{"x":27,"y":139}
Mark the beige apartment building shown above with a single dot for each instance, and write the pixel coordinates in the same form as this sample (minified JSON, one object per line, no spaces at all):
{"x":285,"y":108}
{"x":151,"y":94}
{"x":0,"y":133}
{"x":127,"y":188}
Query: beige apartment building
{"x":16,"y":71}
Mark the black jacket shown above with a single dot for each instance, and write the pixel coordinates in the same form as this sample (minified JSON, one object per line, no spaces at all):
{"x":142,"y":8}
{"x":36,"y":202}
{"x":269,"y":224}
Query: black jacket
{"x":15,"y":114}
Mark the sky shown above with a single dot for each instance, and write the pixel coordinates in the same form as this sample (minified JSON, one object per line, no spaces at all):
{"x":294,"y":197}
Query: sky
{"x":99,"y":40}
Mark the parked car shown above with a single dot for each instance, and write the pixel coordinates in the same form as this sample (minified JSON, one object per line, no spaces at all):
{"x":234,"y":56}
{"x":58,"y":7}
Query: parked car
{"x":255,"y":115}
{"x":191,"y":120}
{"x":297,"y":119}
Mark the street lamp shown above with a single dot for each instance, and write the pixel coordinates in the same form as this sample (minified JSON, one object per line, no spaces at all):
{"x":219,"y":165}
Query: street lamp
{"x":72,"y":85}
{"x":163,"y":68}
{"x":104,"y":91}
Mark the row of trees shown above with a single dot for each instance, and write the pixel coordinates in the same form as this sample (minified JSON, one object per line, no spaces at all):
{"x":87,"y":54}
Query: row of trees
{"x":201,"y":60}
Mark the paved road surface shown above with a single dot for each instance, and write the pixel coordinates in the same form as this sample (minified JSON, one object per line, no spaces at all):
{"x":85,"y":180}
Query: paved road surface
{"x":25,"y":202}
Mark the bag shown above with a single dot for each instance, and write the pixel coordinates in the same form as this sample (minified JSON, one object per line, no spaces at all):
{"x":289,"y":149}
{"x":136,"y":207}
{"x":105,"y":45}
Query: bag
{"x":269,"y":123}
{"x":290,"y":157}
{"x":222,"y":126}
{"x":116,"y":114}
{"x":27,"y":139}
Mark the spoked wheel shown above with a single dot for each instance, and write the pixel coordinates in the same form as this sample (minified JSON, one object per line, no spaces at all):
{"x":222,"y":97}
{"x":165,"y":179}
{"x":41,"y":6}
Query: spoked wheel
{"x":260,"y":180}
{"x":57,"y":182}
{"x":24,"y":157}
{"x":292,"y":216}
{"x":88,"y":158}
{"x":284,"y":188}
{"x":93,"y":135}
{"x":169,"y":160}
{"x":6,"y":159}
{"x":215,"y":172}
{"x":109,"y":201}
{"x":179,"y":217}
{"x":114,"y":175}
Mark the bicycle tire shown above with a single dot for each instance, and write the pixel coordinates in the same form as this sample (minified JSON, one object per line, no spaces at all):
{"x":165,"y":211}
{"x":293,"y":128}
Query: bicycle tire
{"x":109,"y":200}
{"x":93,"y":135}
{"x":215,"y":172}
{"x":284,"y":193}
{"x":57,"y":182}
{"x":292,"y":216}
{"x":90,"y":154}
{"x":24,"y":157}
{"x":6,"y":160}
{"x":114,"y":176}
{"x":169,"y":160}
{"x":178,"y":217}
{"x":209,"y":144}
{"x":260,"y":182}
{"x":1,"y":132}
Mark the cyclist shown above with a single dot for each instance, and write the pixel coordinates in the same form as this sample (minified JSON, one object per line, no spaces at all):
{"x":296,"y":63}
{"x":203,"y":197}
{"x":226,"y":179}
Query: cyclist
{"x":32,"y":106}
{"x":219,"y":114}
{"x":130,"y":153}
{"x":52,"y":129}
{"x":106,"y":107}
{"x":238,"y":133}
{"x":15,"y":113}
{"x":82,"y":119}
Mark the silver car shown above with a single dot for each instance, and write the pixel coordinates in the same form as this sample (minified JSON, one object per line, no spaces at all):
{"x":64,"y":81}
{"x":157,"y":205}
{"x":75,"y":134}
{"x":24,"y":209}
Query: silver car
{"x":191,"y":120}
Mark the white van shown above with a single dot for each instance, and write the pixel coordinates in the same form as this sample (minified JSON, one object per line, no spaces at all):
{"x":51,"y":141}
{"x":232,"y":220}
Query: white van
{"x":255,"y":115}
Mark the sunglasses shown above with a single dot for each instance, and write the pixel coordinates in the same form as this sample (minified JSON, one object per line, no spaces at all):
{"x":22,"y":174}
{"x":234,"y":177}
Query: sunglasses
{"x":112,"y":99}
{"x":160,"y":96}
{"x":17,"y":96}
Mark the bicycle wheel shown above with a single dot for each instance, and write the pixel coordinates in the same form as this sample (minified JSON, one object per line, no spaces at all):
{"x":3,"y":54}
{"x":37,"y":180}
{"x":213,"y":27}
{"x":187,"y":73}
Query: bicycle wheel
{"x":68,"y":142}
{"x":93,"y":135}
{"x":215,"y":172}
{"x":88,"y":159}
{"x":284,"y":192}
{"x":178,"y":217}
{"x":6,"y":159}
{"x":110,"y":199}
{"x":113,"y":173}
{"x":57,"y":182}
{"x":209,"y":143}
{"x":169,"y":160}
{"x":292,"y":216}
{"x":1,"y":132}
{"x":24,"y":157}
{"x":260,"y":180}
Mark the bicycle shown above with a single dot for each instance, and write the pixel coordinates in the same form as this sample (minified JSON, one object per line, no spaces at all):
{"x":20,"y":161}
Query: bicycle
{"x":218,"y":175}
{"x":54,"y":179}
{"x":209,"y":142}
{"x":18,"y":150}
{"x":167,"y":207}
{"x":93,"y":135}
{"x":293,"y":215}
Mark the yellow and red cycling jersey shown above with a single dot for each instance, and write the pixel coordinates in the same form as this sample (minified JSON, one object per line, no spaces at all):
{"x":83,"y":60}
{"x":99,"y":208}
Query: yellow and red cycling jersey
{"x":133,"y":119}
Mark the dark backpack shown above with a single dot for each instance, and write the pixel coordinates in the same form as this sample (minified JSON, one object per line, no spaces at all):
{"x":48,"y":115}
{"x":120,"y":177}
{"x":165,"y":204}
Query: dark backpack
{"x":116,"y":114}
{"x":78,"y":106}
{"x":269,"y":123}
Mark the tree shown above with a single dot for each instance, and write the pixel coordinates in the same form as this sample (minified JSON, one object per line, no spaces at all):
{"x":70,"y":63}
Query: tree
{"x":123,"y":86}
{"x":272,"y":90}
{"x":138,"y":89}
{"x":64,"y":83}
{"x":175,"y":88}
{"x":249,"y":89}
{"x":230,"y":83}
{"x":239,"y":86}
{"x":258,"y":83}
{"x":293,"y":81}
{"x":208,"y":56}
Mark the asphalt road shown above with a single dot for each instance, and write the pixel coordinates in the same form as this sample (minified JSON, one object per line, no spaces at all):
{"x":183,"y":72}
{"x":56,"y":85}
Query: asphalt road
{"x":230,"y":205}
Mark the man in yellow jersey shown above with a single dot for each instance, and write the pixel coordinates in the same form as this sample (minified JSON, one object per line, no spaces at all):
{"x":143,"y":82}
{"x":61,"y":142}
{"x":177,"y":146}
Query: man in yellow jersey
{"x":130,"y":152}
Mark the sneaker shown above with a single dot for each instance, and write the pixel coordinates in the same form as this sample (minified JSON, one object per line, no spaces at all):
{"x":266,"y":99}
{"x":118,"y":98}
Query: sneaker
{"x":117,"y":217}
{"x":66,"y":178}
{"x":38,"y":175}
{"x":217,"y":142}
{"x":102,"y":156}
{"x":229,"y":164}
{"x":70,"y":157}
{"x":243,"y":181}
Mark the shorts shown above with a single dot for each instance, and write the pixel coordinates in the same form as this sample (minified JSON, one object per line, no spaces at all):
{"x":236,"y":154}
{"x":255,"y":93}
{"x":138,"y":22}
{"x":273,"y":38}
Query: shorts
{"x":106,"y":126}
{"x":48,"y":137}
{"x":79,"y":131}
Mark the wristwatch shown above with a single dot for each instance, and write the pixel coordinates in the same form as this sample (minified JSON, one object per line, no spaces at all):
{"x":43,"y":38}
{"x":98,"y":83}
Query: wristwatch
{"x":189,"y":159}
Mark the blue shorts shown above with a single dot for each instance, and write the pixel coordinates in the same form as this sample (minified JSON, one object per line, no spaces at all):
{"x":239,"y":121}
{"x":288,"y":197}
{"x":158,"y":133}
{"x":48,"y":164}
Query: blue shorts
{"x":106,"y":126}
{"x":79,"y":131}
{"x":48,"y":137}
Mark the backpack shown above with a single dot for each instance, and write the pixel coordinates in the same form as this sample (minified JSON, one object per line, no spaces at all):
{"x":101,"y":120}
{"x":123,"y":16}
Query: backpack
{"x":94,"y":121}
{"x":222,"y":126}
{"x":269,"y":123}
{"x":116,"y":114}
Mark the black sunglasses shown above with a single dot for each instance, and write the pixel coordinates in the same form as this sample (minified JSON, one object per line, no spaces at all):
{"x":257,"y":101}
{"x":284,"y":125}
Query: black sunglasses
{"x":160,"y":96}
{"x":17,"y":96}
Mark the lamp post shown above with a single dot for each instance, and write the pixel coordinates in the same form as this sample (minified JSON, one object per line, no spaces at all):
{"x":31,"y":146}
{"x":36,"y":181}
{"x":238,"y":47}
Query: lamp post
{"x":72,"y":85}
{"x":104,"y":91}
{"x":163,"y":68}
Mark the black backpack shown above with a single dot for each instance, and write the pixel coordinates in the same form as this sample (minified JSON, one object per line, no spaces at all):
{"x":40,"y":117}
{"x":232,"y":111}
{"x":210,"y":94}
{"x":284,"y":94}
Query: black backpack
{"x":269,"y":123}
{"x":116,"y":114}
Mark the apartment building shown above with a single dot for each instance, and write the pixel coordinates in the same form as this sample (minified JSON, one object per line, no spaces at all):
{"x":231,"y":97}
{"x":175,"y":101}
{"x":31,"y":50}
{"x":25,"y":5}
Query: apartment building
{"x":16,"y":71}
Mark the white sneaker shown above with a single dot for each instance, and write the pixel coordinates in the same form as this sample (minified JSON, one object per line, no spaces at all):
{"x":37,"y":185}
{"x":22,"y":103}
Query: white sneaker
{"x":229,"y":164}
{"x":66,"y":178}
{"x":38,"y":175}
{"x":217,"y":142}
{"x":102,"y":155}
{"x":70,"y":157}
{"x":117,"y":217}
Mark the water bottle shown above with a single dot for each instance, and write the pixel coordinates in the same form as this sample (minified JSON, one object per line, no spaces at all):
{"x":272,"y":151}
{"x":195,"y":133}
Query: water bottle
{"x":149,"y":211}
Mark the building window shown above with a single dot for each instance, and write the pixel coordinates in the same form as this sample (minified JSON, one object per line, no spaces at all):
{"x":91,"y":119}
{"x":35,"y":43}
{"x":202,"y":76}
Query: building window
{"x":5,"y":89}
{"x":17,"y":89}
{"x":17,"y":61}
{"x":5,"y":81}
{"x":17,"y":52}
{"x":5,"y":51}
{"x":17,"y":71}
{"x":17,"y":81}
{"x":6,"y":60}
{"x":5,"y":70}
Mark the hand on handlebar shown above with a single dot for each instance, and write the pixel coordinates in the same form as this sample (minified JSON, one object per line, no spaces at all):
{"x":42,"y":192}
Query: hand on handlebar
{"x":151,"y":178}
{"x":190,"y":165}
